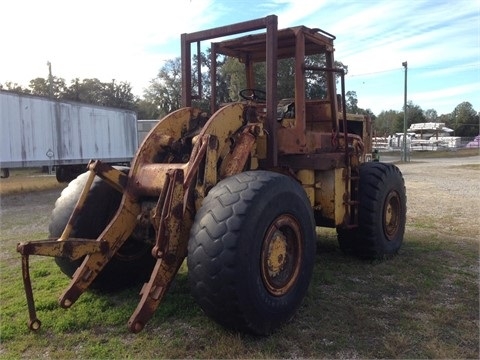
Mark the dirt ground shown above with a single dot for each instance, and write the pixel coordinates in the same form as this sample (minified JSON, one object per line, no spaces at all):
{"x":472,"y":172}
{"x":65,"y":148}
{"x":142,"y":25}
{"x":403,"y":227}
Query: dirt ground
{"x":443,"y":194}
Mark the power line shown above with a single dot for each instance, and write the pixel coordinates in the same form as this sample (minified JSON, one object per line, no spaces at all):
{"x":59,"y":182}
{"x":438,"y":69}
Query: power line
{"x":417,"y":68}
{"x":374,"y":72}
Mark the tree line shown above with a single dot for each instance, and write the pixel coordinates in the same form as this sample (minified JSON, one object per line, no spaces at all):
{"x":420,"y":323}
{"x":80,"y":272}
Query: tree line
{"x":163,"y":95}
{"x":89,"y":91}
{"x":463,"y":120}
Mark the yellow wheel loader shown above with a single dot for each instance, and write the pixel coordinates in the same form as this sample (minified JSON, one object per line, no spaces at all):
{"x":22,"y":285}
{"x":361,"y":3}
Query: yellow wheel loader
{"x":235,"y":189}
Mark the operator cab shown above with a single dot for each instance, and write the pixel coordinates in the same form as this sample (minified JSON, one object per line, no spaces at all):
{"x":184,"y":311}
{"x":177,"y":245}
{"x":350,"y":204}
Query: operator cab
{"x":305,"y":115}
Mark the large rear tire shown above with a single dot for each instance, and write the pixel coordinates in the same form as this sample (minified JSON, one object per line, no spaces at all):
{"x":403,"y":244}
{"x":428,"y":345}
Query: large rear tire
{"x":131,"y":264}
{"x":251,"y":251}
{"x":381,"y":214}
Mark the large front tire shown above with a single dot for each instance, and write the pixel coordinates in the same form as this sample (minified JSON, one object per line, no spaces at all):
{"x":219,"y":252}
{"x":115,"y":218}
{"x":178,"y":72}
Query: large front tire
{"x":133,"y":261}
{"x":251,"y":251}
{"x":381,"y":214}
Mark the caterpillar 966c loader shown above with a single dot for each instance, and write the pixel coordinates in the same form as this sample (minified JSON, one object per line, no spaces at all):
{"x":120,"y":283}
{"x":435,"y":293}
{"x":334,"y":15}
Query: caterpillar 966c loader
{"x":236,"y":191}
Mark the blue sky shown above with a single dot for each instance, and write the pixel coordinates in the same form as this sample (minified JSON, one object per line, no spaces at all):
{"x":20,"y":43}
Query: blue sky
{"x":130,"y":40}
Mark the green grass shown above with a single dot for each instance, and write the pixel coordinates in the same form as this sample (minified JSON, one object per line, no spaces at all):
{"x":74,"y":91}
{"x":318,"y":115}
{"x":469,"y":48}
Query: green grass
{"x":28,"y":179}
{"x":454,"y":153}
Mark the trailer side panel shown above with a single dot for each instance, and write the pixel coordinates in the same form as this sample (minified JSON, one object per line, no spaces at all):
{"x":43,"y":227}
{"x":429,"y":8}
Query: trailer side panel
{"x":37,"y":131}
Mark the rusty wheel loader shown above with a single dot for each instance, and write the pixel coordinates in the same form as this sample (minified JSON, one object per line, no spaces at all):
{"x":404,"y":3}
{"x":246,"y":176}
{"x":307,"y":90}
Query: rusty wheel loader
{"x":236,"y":191}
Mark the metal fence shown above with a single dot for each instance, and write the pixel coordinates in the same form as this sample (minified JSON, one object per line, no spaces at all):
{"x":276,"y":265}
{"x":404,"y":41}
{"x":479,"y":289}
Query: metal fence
{"x":395,"y":143}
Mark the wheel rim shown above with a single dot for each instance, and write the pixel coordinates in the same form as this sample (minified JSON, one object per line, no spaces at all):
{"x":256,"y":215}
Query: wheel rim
{"x":391,"y":215}
{"x":281,"y":255}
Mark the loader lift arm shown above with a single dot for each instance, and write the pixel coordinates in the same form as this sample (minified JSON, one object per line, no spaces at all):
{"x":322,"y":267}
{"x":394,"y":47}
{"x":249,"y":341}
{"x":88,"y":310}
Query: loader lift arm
{"x":175,"y":185}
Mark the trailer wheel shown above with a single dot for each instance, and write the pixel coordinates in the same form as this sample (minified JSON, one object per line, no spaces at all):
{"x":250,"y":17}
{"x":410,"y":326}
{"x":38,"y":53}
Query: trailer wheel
{"x":131,"y":264}
{"x":381,"y":214}
{"x":67,"y":173}
{"x":5,"y":172}
{"x":251,"y":251}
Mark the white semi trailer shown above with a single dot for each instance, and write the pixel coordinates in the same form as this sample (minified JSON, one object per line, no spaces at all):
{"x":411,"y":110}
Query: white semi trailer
{"x":63,"y":135}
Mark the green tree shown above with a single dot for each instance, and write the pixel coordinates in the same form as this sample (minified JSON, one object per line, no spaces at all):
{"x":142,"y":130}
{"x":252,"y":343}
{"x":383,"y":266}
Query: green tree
{"x":93,"y":91}
{"x":431,"y":115}
{"x":446,"y":119}
{"x":415,"y":114}
{"x":42,"y":87}
{"x":14,"y":87}
{"x":233,"y":71}
{"x":39,"y":86}
{"x":388,"y":123}
{"x":317,"y":81}
{"x":286,"y":78}
{"x":146,"y":110}
{"x":118,"y":95}
{"x":88,"y":91}
{"x":465,"y":120}
{"x":164,"y":91}
{"x":351,"y":102}
{"x":234,"y":74}
{"x":203,"y":101}
{"x":369,"y":113}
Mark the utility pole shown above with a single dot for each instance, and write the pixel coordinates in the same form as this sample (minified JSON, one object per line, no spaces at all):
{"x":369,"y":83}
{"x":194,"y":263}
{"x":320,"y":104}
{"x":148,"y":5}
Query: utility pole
{"x":50,"y":80}
{"x":405,"y":157}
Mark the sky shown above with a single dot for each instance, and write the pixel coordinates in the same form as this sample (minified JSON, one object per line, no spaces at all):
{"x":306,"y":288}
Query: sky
{"x":131,"y":40}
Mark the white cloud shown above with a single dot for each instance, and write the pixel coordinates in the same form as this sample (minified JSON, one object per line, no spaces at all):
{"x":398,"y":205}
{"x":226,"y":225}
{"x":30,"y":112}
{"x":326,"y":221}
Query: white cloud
{"x":122,"y":40}
{"x":129,"y":41}
{"x":448,"y":96}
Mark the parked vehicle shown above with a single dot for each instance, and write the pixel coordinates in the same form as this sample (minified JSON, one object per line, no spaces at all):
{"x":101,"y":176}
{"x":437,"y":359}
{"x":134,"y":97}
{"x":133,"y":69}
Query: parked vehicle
{"x":475,"y":143}
{"x":37,"y":131}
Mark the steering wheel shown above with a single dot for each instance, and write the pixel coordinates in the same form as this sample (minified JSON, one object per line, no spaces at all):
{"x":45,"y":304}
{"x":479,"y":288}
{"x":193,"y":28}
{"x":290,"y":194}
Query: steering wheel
{"x":253,"y":94}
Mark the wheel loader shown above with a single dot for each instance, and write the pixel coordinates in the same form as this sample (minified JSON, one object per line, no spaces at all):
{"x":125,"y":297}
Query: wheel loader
{"x":235,"y":189}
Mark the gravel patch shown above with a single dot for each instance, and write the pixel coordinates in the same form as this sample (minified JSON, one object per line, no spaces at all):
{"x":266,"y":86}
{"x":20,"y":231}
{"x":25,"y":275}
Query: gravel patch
{"x":444,"y":195}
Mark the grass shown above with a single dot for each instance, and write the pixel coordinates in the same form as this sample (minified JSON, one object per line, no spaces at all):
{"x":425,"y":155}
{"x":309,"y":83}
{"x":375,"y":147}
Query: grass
{"x":421,"y":304}
{"x":27,"y":179}
{"x":454,"y":153}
